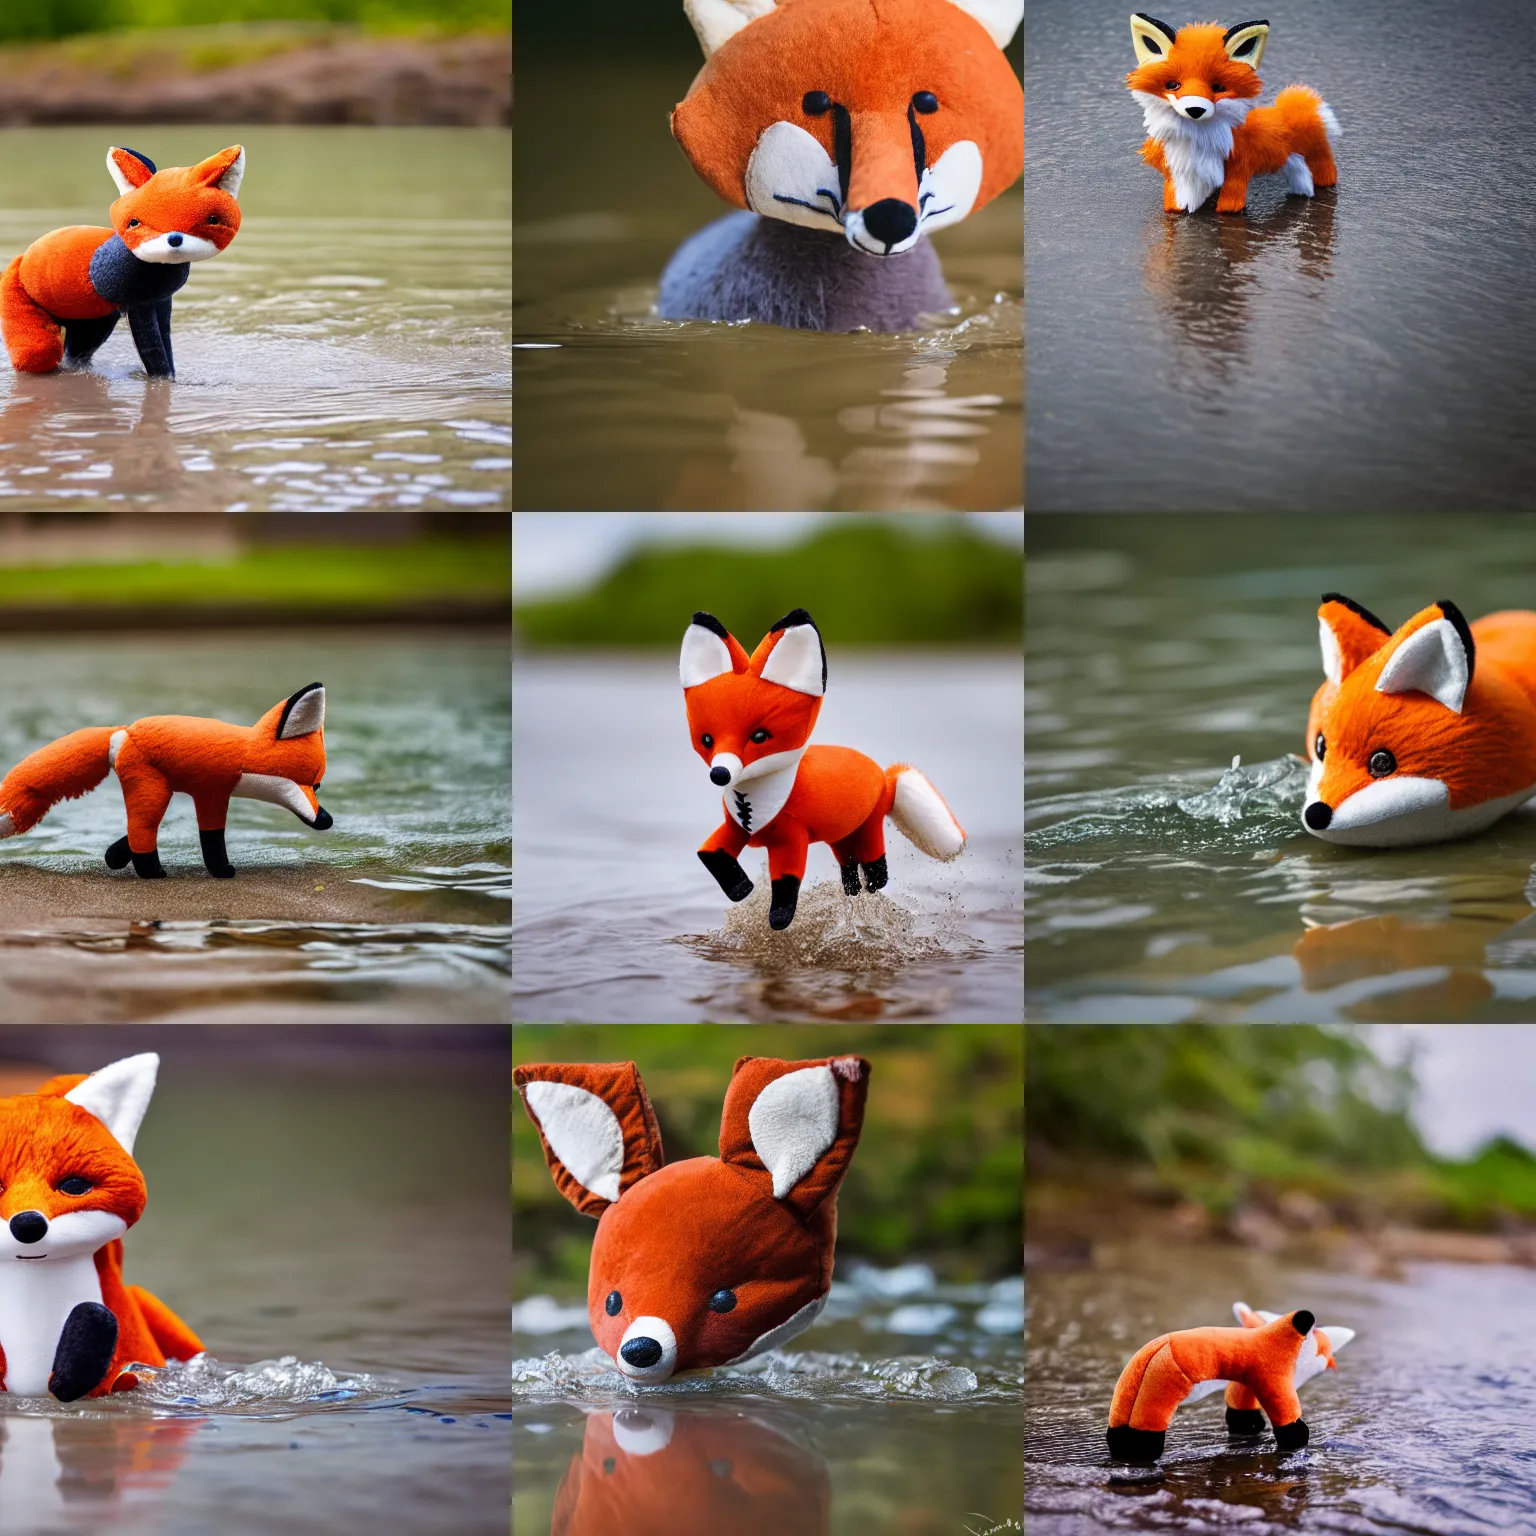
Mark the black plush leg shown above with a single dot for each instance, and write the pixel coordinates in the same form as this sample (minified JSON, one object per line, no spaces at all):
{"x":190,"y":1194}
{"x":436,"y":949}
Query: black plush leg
{"x":850,"y":871}
{"x":83,"y":337}
{"x":147,"y":866}
{"x":875,"y":875}
{"x":215,"y":858}
{"x":786,"y":892}
{"x":119,"y":855}
{"x":1292,"y":1436}
{"x":163,"y":315}
{"x":144,"y":322}
{"x":84,"y":1353}
{"x":732,"y":877}
{"x":1245,"y":1421}
{"x":1127,"y":1444}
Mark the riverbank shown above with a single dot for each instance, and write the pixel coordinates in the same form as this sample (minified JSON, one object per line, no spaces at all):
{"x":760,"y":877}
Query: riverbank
{"x":268,"y":72}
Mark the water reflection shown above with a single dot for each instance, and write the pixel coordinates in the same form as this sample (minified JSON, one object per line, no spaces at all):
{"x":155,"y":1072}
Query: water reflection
{"x":649,"y":1471}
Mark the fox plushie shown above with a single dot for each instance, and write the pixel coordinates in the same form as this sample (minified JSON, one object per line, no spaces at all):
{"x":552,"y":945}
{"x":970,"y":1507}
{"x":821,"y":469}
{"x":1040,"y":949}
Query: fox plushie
{"x":281,"y":759}
{"x":60,"y":299}
{"x":1196,"y":88}
{"x":1268,"y":1361}
{"x":849,"y":130}
{"x":709,"y":1261}
{"x":749,"y":718}
{"x":69,"y":1326}
{"x":1423,"y":735}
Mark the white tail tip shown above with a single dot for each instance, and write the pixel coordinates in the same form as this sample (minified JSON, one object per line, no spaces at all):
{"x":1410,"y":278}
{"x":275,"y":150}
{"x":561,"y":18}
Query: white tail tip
{"x":925,"y":821}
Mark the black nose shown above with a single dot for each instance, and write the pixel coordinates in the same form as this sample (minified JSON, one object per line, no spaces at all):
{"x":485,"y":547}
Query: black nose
{"x":1195,"y":111}
{"x":638,"y":1352}
{"x":1317,"y":815}
{"x":324,"y":821}
{"x":29,"y":1226}
{"x":719,"y":775}
{"x":890,"y":220}
{"x":1302,"y":1323}
{"x":173,"y":239}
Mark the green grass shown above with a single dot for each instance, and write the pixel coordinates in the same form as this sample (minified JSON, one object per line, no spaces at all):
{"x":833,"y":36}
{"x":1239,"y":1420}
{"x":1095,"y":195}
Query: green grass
{"x":865,"y":581}
{"x":306,"y":575}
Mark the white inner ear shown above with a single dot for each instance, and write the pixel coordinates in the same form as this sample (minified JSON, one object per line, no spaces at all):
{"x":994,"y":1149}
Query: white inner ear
{"x":792,"y":1122}
{"x":1150,"y":43}
{"x":118,"y":1095}
{"x":1432,"y":660}
{"x":716,"y":21}
{"x":795,"y":661}
{"x":123,"y":184}
{"x":582,"y":1132}
{"x":1001,"y":18}
{"x":306,"y":716}
{"x":1337,"y":1337}
{"x":704,"y":656}
{"x":1333,"y":657}
{"x":231,"y":179}
{"x":1244,"y":49}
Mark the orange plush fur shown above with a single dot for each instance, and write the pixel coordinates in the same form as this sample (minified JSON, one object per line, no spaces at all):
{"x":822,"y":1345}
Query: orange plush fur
{"x":1243,"y":1399}
{"x":1482,"y":750}
{"x":1196,"y":66}
{"x":712,"y":1260}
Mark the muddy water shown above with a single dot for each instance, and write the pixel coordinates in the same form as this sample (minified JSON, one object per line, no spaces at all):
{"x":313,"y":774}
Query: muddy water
{"x":618,"y":409}
{"x":1164,"y":884}
{"x":1425,"y":1427}
{"x":352,"y":1356}
{"x":617,"y":922}
{"x":348,"y":350}
{"x":399,"y":912}
{"x":1356,"y":350}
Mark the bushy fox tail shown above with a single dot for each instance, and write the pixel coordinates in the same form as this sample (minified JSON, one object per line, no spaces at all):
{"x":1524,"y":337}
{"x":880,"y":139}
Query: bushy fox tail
{"x":1299,"y":106}
{"x":920,"y":814}
{"x":71,"y":766}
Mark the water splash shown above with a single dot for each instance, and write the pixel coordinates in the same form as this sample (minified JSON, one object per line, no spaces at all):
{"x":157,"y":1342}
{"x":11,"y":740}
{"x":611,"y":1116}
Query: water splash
{"x":208,"y":1385}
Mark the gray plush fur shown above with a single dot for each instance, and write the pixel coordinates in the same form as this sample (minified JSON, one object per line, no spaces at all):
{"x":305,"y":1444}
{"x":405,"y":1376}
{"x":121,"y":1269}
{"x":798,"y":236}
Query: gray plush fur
{"x":743,"y":267}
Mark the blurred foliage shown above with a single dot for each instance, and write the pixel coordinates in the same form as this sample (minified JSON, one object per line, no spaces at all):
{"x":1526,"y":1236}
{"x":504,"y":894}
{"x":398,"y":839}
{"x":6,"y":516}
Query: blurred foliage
{"x":64,"y":18}
{"x":1223,"y":1114}
{"x":865,"y":581}
{"x":356,"y":575}
{"x":938,"y":1174}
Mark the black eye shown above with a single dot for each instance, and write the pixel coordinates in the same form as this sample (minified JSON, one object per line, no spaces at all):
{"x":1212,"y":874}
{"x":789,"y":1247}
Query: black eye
{"x":1381,"y":764}
{"x":1216,"y":85}
{"x":722,"y":1301}
{"x":1319,"y":747}
{"x":815,"y":103}
{"x":707,"y":739}
{"x":614,"y":1304}
{"x":925,"y":101}
{"x":213,"y":218}
{"x":1173,"y":85}
{"x":133,"y":223}
{"x":74,"y":1185}
{"x":759,"y":735}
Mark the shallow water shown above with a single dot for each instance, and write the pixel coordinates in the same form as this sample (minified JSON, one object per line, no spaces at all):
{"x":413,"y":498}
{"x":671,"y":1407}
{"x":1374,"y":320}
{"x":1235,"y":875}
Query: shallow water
{"x":618,"y":409}
{"x":1163,"y":884}
{"x":350,"y":1356}
{"x":1356,"y":350}
{"x":1425,"y":1427}
{"x":900,"y":1409}
{"x":398,"y":912}
{"x":616,"y":920}
{"x":349,"y":349}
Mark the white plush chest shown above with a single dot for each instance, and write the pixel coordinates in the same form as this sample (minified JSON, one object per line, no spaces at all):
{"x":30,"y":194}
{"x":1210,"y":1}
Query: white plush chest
{"x":36,"y":1296}
{"x":755,"y":803}
{"x":1196,"y":154}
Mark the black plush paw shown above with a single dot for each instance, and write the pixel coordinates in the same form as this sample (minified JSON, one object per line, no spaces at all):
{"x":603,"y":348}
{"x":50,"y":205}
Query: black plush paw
{"x":1127,"y":1444}
{"x":1292,"y":1436}
{"x":1245,"y":1421}
{"x":215,"y":859}
{"x":786,"y":892}
{"x":147,"y":866}
{"x":851,"y":878}
{"x":731,"y":876}
{"x":875,"y":875}
{"x":119,"y":855}
{"x":84,"y":1354}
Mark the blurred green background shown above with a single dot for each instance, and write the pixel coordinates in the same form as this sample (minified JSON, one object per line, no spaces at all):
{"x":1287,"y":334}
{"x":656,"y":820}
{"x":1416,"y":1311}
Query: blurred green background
{"x":866,"y":581}
{"x":62,"y":18}
{"x":937,"y":1174}
{"x":1240,"y":1116}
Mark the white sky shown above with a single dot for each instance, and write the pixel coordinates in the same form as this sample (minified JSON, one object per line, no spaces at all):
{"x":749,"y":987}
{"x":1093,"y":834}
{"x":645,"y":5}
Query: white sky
{"x":1476,"y":1081}
{"x":555,"y":551}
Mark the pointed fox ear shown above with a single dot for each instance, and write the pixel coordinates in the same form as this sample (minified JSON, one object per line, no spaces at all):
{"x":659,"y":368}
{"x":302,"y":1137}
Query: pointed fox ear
{"x":716,"y":21}
{"x":1246,"y":41}
{"x":1150,"y":38}
{"x":1001,"y":18}
{"x":128,"y":168}
{"x":1436,"y":659}
{"x":1348,"y":634}
{"x":793,"y":1125}
{"x":119,"y":1096}
{"x":1337,"y":1337}
{"x":303,"y":714}
{"x":598,"y":1128}
{"x":225,"y":170}
{"x":709,"y":650}
{"x":792,"y":655}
